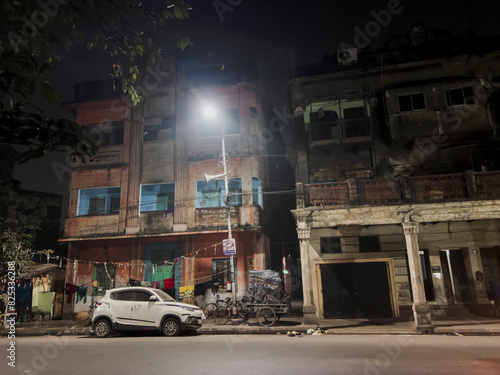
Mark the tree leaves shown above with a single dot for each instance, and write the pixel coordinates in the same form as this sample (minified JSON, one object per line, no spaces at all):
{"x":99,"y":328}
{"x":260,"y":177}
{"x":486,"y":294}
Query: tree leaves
{"x":20,"y":220}
{"x":32,"y":31}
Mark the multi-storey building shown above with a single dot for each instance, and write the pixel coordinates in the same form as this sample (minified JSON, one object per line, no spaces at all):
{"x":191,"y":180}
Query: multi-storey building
{"x":142,"y":212}
{"x":398,"y":180}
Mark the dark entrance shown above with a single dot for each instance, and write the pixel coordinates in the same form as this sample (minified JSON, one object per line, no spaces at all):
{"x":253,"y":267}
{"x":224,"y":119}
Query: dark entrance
{"x":456,"y":282}
{"x":355,"y":290}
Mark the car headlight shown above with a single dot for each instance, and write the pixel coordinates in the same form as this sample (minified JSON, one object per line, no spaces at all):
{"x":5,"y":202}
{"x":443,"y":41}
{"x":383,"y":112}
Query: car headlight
{"x":190,"y":308}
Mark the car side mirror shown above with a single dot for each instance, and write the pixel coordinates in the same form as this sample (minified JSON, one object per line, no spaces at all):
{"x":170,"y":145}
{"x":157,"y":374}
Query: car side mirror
{"x":153,"y":298}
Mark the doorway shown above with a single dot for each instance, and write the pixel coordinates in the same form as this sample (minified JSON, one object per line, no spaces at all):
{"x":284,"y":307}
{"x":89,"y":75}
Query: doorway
{"x":355,"y":290}
{"x":455,"y":276}
{"x":490,"y":258}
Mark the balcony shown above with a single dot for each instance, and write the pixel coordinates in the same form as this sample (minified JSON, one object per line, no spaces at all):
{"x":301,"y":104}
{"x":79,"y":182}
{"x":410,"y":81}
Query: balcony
{"x":341,"y":131}
{"x":419,"y":189}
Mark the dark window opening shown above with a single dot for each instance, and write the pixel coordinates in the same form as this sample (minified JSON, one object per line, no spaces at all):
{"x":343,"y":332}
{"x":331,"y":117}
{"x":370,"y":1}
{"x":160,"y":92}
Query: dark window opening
{"x":461,"y":96}
{"x":411,"y":102}
{"x":159,"y":128}
{"x":330,"y":245}
{"x":107,"y":133}
{"x":369,"y":244}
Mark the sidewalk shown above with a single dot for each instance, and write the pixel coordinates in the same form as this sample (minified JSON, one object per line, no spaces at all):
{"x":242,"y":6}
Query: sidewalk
{"x":460,"y":325}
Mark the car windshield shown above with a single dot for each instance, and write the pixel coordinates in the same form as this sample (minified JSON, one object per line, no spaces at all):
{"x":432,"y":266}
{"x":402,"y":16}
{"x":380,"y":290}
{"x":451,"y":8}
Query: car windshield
{"x":164,"y":296}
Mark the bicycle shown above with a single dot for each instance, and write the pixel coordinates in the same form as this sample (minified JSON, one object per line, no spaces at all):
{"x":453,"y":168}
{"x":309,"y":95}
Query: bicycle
{"x":223,"y":313}
{"x":211,"y":307}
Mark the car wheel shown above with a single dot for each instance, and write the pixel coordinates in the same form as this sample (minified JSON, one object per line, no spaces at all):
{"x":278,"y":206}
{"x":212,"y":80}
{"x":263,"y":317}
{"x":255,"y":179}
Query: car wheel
{"x":170,"y":327}
{"x":102,"y":328}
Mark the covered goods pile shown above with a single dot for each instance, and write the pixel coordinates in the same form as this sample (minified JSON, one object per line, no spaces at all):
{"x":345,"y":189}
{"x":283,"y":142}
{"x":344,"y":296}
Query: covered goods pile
{"x":265,"y":287}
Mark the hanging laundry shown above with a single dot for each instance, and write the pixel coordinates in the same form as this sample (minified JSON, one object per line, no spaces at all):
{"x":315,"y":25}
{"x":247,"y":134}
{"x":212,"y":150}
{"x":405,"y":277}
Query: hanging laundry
{"x":81,"y":294}
{"x":70,"y":290}
{"x":155,"y":284}
{"x":200,"y":289}
{"x":168,"y":283}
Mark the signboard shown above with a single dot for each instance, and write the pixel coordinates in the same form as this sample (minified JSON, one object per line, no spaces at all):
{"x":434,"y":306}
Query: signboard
{"x":229,"y":246}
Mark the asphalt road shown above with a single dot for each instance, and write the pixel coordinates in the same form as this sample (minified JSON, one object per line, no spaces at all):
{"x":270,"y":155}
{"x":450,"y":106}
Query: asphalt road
{"x":253,"y":354}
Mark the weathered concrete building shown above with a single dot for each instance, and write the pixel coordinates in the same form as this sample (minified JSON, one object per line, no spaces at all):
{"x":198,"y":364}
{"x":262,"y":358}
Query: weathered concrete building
{"x":142,"y":212}
{"x":398,"y":179}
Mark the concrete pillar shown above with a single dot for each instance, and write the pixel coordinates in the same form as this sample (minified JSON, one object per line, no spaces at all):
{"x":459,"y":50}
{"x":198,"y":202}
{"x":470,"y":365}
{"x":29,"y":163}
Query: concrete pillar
{"x":308,"y":309}
{"x":421,"y":311}
{"x":477,"y":284}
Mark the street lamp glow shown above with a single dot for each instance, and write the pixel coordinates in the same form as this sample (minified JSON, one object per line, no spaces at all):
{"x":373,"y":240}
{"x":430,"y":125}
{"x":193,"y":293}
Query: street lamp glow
{"x":209,"y":111}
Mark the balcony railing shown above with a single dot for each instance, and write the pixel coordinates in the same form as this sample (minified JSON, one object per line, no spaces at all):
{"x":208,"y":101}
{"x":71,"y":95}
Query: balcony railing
{"x":337,"y":130}
{"x":419,"y":189}
{"x":331,"y":194}
{"x":488,"y":184}
{"x":438,"y":187}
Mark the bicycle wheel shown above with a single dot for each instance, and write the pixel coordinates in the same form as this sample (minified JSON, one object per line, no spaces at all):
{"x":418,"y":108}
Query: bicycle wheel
{"x":209,"y":310}
{"x":266,"y":316}
{"x":221,"y":315}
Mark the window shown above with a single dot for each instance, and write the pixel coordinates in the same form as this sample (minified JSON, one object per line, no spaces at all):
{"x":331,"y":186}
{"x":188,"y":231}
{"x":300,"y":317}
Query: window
{"x":256,"y":191}
{"x":159,"y":128}
{"x":100,"y":201}
{"x":122,"y":296}
{"x":330,"y":245}
{"x":107,"y":133}
{"x":104,"y":279}
{"x":460,"y":96}
{"x":221,"y":273}
{"x":212,"y":194}
{"x":369,"y":244}
{"x":411,"y":102}
{"x":142,"y":296}
{"x":208,"y":127}
{"x":158,"y":197}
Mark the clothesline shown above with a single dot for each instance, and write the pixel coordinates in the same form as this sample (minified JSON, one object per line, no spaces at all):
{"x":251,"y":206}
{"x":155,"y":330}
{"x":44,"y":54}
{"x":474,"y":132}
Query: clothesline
{"x":173,"y":260}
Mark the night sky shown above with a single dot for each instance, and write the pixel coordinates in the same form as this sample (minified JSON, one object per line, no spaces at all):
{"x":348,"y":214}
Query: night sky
{"x":275,"y":35}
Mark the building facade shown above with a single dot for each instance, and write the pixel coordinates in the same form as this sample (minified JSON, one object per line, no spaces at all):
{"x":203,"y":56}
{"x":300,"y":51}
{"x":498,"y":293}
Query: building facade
{"x":398,"y":174}
{"x":141,"y":212}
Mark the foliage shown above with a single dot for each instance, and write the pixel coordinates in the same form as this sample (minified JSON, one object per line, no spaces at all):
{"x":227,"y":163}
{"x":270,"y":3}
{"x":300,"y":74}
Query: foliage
{"x":32,"y":35}
{"x":21,"y":218}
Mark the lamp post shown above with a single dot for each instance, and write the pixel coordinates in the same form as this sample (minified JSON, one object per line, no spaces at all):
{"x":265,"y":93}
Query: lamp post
{"x":227,"y":200}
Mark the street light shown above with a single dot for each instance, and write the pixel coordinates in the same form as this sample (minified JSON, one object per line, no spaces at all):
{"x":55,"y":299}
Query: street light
{"x":212,"y":112}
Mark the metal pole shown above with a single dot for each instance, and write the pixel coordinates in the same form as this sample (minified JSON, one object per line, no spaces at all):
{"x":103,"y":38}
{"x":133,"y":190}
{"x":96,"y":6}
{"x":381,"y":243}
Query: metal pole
{"x":229,"y":233}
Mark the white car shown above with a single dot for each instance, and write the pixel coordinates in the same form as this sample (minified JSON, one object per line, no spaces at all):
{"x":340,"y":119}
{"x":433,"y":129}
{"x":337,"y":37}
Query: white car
{"x":141,"y":308}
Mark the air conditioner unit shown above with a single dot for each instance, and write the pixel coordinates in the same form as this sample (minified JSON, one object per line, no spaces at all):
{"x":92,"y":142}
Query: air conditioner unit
{"x":347,"y":56}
